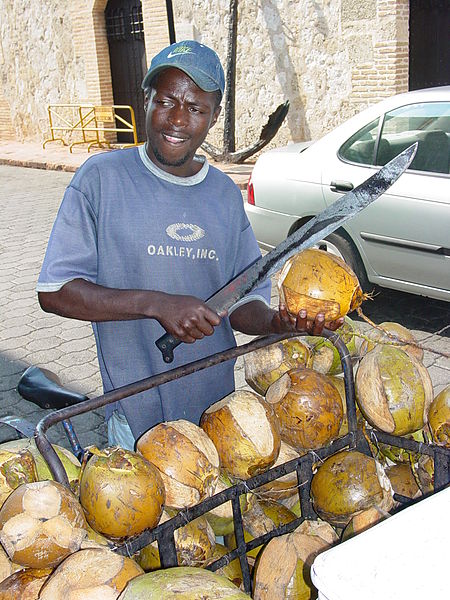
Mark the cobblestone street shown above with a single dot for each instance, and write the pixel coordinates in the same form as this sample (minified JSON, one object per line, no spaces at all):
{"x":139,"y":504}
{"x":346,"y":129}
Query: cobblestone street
{"x":29,"y":201}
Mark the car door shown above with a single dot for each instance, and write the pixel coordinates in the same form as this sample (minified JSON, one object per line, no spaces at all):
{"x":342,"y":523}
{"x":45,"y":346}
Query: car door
{"x":404,"y":237}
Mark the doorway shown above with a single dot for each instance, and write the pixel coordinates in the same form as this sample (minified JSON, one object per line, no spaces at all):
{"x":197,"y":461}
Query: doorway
{"x":429,"y":43}
{"x":125,"y":33}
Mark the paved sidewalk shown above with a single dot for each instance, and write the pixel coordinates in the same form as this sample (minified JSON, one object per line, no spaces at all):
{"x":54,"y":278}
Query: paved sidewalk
{"x":57,"y":157}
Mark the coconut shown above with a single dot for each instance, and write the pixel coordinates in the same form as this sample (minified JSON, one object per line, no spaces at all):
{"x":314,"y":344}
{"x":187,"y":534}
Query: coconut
{"x":391,"y":333}
{"x":347,"y":483}
{"x":362,"y":521}
{"x":16,"y":468}
{"x":394,"y":390}
{"x":266,"y":365}
{"x":395,"y":454}
{"x":402,"y":480}
{"x":423,"y":472}
{"x":7,"y":567}
{"x":283,"y":567}
{"x":264,"y":516}
{"x":245,"y":431}
{"x":41,"y":523}
{"x":70,"y":462}
{"x":319,"y":528}
{"x":92,"y":574}
{"x":186,"y":459}
{"x":25,"y":584}
{"x":221,"y":517}
{"x":325,"y":356}
{"x":308,"y":406}
{"x":439,"y":418}
{"x":284,"y":486}
{"x":121,"y":493}
{"x":182,"y":583}
{"x":194,"y":543}
{"x":231,"y":570}
{"x":319,"y":282}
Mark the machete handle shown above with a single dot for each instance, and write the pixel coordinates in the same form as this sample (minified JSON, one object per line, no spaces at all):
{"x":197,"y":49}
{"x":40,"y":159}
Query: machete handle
{"x":167,"y":344}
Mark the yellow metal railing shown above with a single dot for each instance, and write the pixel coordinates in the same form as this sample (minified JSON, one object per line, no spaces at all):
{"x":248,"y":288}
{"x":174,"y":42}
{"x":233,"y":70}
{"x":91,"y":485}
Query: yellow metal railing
{"x":84,"y":120}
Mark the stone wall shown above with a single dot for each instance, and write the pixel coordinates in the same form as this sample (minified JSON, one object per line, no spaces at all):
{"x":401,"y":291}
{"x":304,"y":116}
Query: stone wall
{"x":330,"y":58}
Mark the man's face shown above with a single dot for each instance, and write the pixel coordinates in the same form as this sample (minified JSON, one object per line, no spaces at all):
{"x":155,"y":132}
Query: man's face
{"x":179,"y":116}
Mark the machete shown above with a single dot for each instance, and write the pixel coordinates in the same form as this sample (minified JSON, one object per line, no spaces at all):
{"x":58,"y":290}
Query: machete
{"x":310,"y":233}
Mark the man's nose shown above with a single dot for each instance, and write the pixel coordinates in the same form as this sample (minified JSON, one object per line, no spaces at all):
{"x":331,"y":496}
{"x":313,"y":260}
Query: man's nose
{"x":178,"y":115}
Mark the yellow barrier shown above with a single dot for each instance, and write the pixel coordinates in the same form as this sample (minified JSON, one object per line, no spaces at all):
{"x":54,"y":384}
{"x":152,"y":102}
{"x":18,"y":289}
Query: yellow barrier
{"x":84,"y":119}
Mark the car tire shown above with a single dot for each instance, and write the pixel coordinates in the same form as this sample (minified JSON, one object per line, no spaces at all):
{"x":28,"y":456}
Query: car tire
{"x":339,"y":244}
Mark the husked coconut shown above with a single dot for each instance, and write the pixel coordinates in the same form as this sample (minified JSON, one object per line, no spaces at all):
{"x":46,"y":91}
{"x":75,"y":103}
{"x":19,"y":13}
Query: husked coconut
{"x":24,"y":585}
{"x":245,"y":431}
{"x":92,"y":574}
{"x":41,"y":523}
{"x":286,"y":485}
{"x":16,"y":468}
{"x":347,"y":483}
{"x":391,"y":333}
{"x":308,"y":406}
{"x":121,"y":493}
{"x":70,"y":462}
{"x":283,"y":568}
{"x":394,"y":390}
{"x":267,"y":364}
{"x":194,"y":544}
{"x":182,"y":583}
{"x":186,"y":459}
{"x":362,"y":521}
{"x":319,"y":282}
{"x":439,"y":418}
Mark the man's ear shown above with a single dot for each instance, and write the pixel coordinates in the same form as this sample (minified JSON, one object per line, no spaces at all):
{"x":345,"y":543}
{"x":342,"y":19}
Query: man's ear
{"x":216,"y":114}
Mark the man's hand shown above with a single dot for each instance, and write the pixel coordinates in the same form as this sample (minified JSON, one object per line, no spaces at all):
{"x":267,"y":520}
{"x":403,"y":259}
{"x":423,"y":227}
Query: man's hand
{"x":186,"y":317}
{"x":283,"y":321}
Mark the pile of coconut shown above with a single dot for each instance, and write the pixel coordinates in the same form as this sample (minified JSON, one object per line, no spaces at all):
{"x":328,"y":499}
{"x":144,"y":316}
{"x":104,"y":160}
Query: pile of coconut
{"x":56,"y":542}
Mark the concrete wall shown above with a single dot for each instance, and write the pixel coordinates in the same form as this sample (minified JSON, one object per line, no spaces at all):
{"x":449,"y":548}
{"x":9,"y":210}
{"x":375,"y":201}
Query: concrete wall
{"x":330,"y":58}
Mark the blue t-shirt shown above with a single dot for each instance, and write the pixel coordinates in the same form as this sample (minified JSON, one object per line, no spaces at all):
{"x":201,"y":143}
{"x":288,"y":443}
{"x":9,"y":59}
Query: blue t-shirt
{"x":126,"y":224}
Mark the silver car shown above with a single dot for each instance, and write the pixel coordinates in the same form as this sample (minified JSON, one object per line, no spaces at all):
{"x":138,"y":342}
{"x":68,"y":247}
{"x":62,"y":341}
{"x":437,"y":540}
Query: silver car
{"x":402,"y":240}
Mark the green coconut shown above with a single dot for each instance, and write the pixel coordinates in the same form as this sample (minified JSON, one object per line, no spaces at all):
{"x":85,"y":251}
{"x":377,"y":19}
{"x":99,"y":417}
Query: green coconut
{"x":439,"y":418}
{"x":231,"y":570}
{"x":362,"y":521}
{"x":402,"y":480}
{"x":264,"y":516}
{"x":221,"y":517}
{"x":391,"y":333}
{"x":325,"y":356}
{"x":394,"y":390}
{"x":347,"y":483}
{"x":17,"y":466}
{"x":182,"y":583}
{"x":266,"y":365}
{"x":70,"y":463}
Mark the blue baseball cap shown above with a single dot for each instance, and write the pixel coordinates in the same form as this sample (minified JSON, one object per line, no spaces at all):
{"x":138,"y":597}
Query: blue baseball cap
{"x":198,"y":61}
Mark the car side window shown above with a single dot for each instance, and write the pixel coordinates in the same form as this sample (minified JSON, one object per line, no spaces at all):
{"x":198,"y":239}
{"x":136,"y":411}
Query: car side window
{"x":360,"y":148}
{"x":426,"y":123}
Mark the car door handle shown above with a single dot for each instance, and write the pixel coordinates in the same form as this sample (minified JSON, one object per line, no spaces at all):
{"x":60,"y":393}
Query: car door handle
{"x":341,"y":186}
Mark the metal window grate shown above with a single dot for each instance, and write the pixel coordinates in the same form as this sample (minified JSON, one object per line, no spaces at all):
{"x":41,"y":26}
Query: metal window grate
{"x":137,"y":22}
{"x":115,"y":24}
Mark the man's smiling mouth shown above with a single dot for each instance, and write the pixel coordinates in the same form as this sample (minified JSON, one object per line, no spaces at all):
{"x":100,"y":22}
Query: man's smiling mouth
{"x":174,"y":139}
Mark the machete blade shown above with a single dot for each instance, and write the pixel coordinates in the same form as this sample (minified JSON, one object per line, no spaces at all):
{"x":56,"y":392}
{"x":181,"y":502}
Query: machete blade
{"x":310,"y":233}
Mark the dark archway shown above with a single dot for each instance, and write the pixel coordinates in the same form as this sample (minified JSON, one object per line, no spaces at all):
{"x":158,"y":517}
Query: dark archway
{"x":125,"y":32}
{"x":429,"y":43}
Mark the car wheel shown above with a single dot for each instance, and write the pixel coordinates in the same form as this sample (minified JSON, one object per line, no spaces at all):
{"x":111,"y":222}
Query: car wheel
{"x":339,"y":245}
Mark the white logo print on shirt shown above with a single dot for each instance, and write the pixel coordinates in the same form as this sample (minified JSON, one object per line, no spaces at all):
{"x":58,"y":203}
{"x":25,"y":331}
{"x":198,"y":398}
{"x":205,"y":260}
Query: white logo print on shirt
{"x":196,"y":232}
{"x":183,"y":232}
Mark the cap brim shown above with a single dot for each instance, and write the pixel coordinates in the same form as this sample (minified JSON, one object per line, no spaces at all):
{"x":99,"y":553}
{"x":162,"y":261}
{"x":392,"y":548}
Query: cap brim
{"x":203,"y":81}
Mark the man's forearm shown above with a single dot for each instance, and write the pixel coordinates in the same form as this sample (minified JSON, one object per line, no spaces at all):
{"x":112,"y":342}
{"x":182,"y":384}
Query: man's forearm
{"x":80,"y":299}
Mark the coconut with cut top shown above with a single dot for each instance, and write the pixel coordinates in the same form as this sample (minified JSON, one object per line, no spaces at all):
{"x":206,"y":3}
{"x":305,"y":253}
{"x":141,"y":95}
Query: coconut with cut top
{"x":41,"y":523}
{"x":186,"y":459}
{"x":245,"y":431}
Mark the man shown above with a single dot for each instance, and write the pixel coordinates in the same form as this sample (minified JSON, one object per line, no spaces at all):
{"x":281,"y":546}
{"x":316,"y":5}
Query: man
{"x":143,"y":235}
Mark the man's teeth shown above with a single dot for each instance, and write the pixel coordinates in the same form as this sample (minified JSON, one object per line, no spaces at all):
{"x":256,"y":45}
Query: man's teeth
{"x":174,"y":140}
